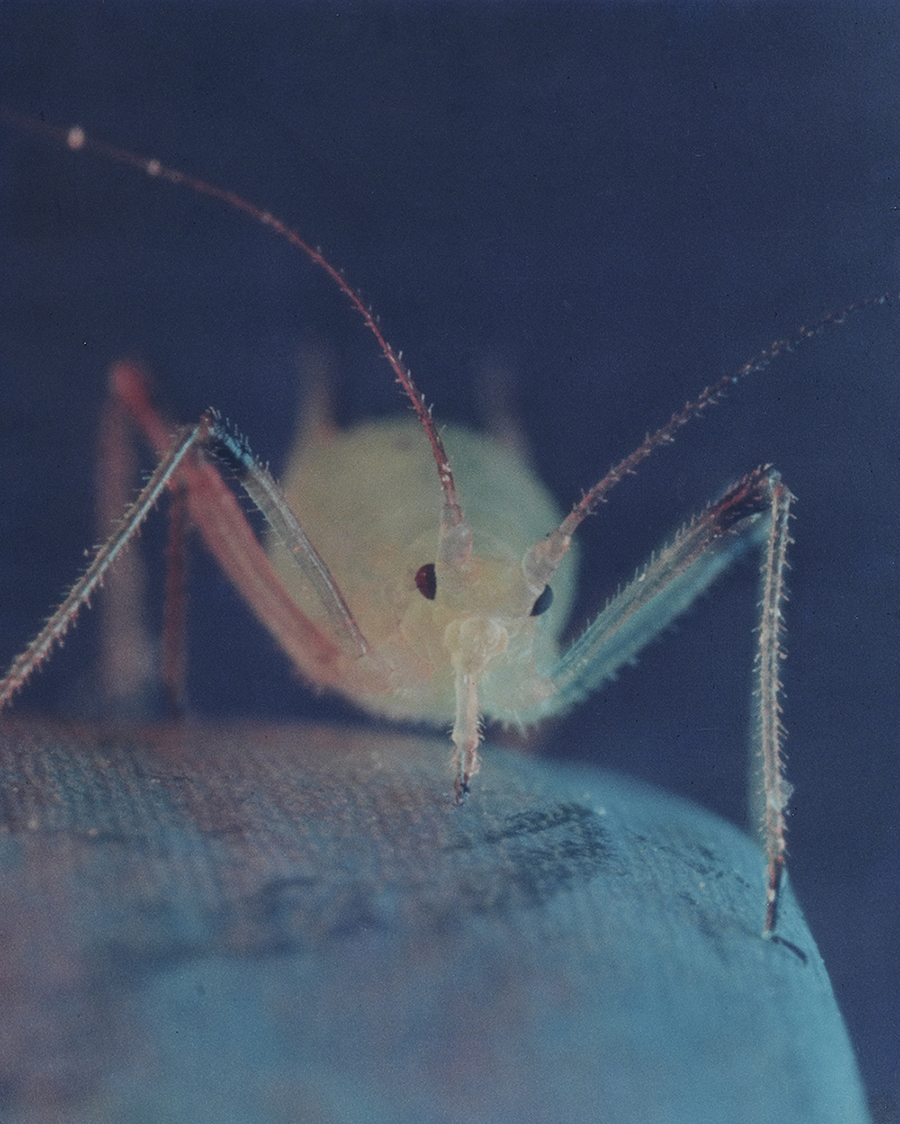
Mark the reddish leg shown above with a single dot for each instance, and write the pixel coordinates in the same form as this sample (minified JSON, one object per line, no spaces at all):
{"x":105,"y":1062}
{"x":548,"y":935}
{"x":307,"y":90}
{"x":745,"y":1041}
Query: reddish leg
{"x":324,"y":660}
{"x":127,"y":669}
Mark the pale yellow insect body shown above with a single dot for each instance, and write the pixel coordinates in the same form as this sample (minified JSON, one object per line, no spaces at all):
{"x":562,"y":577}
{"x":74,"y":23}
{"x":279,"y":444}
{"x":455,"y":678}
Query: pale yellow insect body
{"x":370,"y":500}
{"x":411,"y":570}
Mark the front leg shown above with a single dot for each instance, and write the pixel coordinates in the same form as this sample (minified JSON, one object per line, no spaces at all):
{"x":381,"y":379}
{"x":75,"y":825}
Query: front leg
{"x":752,"y":514}
{"x":229,"y":536}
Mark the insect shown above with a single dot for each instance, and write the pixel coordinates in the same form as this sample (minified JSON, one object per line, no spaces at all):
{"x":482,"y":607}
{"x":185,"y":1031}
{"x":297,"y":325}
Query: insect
{"x":418,"y":592}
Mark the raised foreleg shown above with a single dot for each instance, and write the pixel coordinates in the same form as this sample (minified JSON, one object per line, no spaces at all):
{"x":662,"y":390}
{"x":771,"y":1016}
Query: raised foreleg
{"x":752,"y":514}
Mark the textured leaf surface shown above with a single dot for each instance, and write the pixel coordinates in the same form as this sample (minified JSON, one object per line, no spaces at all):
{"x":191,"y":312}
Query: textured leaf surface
{"x":242,"y":924}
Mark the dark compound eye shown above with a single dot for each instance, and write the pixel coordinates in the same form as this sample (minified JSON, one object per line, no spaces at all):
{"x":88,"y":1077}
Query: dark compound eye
{"x":543,"y":603}
{"x":426,"y":581}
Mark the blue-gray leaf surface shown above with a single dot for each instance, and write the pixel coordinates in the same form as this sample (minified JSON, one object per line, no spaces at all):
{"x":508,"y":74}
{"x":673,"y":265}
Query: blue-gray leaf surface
{"x":272,"y":924}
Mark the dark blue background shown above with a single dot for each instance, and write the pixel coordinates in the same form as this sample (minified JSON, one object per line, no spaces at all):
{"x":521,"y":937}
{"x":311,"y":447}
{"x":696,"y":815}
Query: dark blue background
{"x":619,"y":203}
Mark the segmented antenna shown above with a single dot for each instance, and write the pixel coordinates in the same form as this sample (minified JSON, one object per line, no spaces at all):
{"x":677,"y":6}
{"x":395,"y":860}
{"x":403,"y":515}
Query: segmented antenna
{"x":76,"y":139}
{"x":546,"y":555}
{"x":709,"y":396}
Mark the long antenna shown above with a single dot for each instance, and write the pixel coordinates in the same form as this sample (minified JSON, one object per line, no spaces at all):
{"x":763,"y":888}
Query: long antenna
{"x":545,"y":556}
{"x":77,"y":140}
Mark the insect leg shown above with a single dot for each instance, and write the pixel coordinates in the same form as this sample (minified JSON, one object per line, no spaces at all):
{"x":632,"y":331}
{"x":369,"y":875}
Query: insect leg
{"x":776,"y":788}
{"x":58,"y":624}
{"x":226,"y":532}
{"x":215,"y":511}
{"x":754,"y":513}
{"x":174,"y":639}
{"x":663,"y":589}
{"x":259,"y":485}
{"x":127,"y":661}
